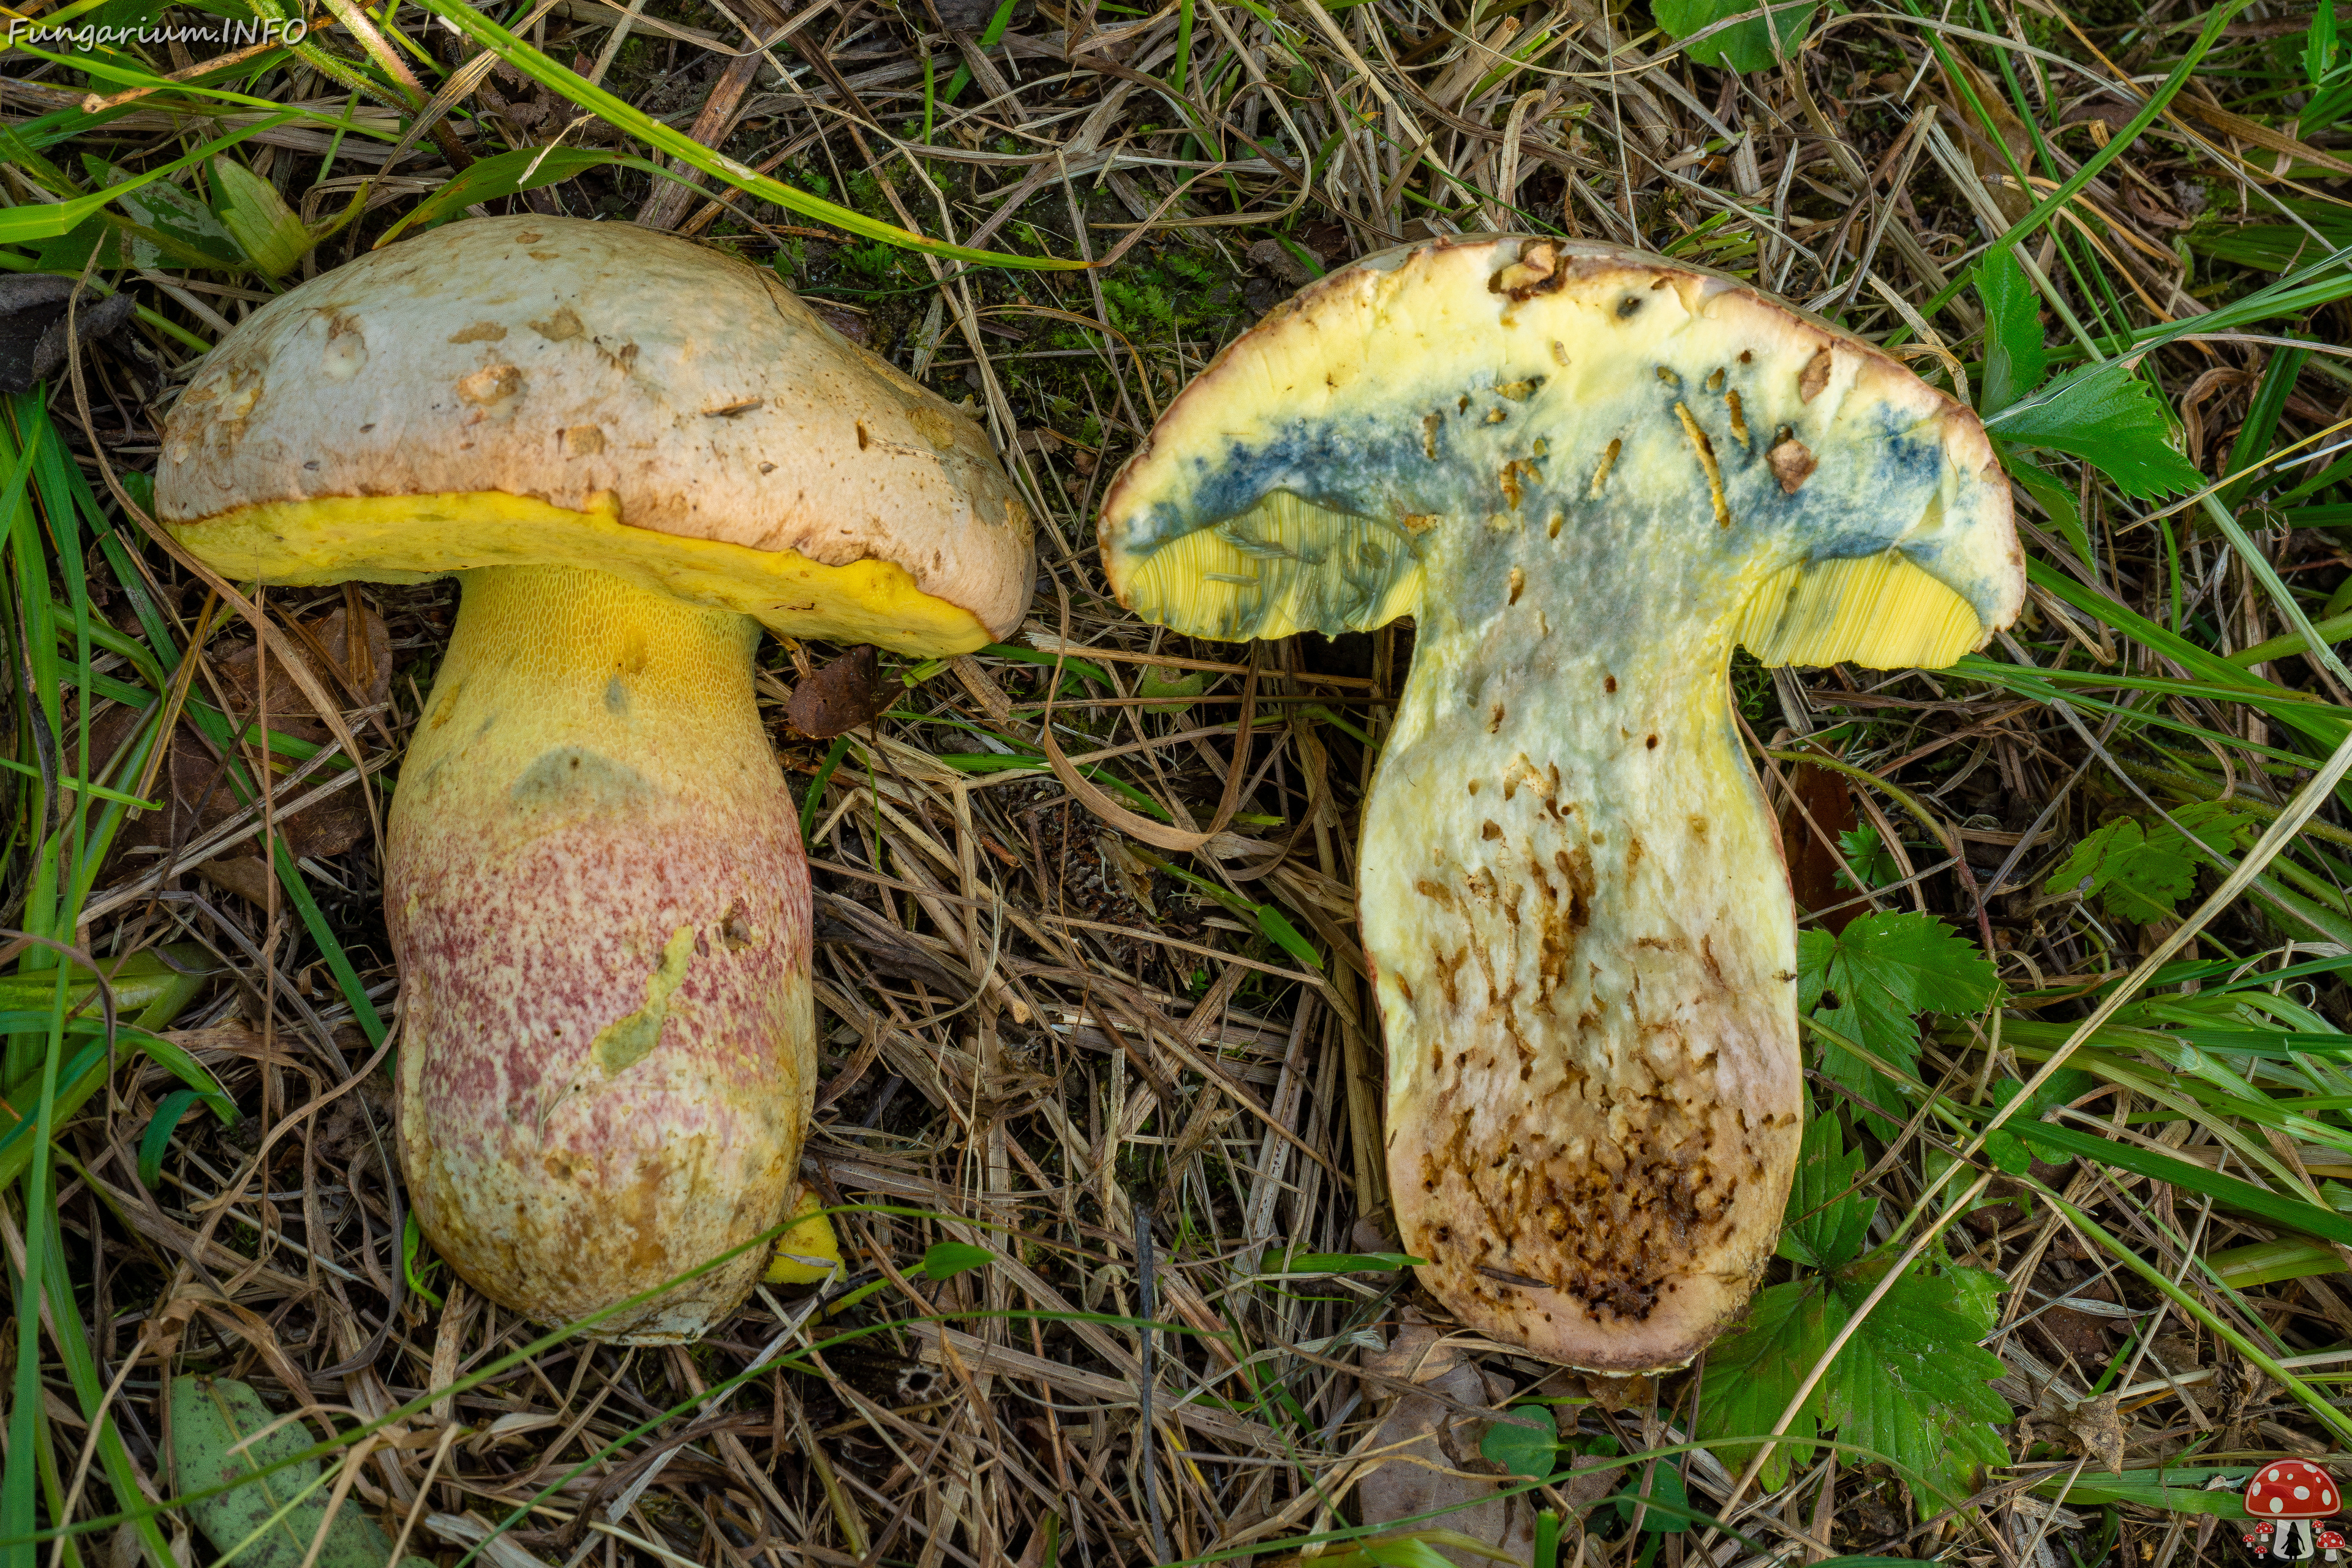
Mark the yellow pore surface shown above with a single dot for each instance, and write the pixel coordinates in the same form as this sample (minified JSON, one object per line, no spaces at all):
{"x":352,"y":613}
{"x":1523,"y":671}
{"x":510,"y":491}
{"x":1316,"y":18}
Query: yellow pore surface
{"x":1875,"y":610}
{"x":412,"y":538}
{"x":808,"y":1253}
{"x":559,"y":659}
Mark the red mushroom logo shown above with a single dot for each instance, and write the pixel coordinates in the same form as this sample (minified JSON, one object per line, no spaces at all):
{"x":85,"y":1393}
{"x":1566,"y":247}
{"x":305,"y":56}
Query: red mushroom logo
{"x":2331,"y":1542}
{"x":2291,"y":1494}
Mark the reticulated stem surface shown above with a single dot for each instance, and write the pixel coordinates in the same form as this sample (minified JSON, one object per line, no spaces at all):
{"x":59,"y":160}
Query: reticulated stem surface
{"x":596,"y":892}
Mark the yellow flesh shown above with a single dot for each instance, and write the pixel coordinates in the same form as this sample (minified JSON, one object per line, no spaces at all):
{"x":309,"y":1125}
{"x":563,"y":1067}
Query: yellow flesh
{"x":1570,"y":892}
{"x":409,"y":539}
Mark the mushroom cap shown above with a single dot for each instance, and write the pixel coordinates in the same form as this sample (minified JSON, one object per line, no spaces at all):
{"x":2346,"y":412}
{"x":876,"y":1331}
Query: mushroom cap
{"x":2291,"y":1489}
{"x":1523,"y":381}
{"x":515,"y":391}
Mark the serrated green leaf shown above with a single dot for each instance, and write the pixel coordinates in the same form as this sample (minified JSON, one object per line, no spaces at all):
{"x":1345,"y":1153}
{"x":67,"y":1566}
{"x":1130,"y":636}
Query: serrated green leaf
{"x":270,"y":1520}
{"x":2108,"y":417}
{"x":2064,"y":1087}
{"x":1748,"y":47}
{"x":1869,"y":857}
{"x":1975,"y":1296}
{"x":1524,"y":1440}
{"x":1827,"y":1220}
{"x":1870,"y":980}
{"x":2014,"y":361}
{"x":2141,"y":873}
{"x":945,"y":1260}
{"x":1913,"y":1384}
{"x":1900,"y":964}
{"x":264,"y":228}
{"x":1752,"y":1374}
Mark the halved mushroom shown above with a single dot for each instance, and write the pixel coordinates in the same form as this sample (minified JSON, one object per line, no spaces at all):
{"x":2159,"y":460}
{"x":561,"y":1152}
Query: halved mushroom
{"x":1587,"y":473}
{"x":637,"y":453}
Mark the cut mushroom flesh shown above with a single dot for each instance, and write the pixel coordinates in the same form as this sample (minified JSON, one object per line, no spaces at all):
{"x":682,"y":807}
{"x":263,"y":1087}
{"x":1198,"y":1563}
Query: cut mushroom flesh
{"x":1587,"y":474}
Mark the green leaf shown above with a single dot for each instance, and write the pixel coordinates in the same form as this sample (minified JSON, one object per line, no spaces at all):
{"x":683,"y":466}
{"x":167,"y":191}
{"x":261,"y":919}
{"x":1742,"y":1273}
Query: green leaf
{"x":945,"y":1260}
{"x":2141,"y":874}
{"x":1913,"y":1384}
{"x":1084,"y":668}
{"x":2014,"y":363}
{"x":2008,"y":1153}
{"x":270,"y":1520}
{"x":258,"y":219}
{"x":1827,"y":1220}
{"x":178,"y":221}
{"x":416,"y":1259}
{"x":2110,"y":418}
{"x":2055,"y":499}
{"x":148,"y":989}
{"x":1868,"y":982}
{"x":2320,"y":44}
{"x":41,"y":220}
{"x":1869,"y":857}
{"x":1338,"y":1262}
{"x":1751,"y":45}
{"x":2174,"y":1490}
{"x":1157,"y":682}
{"x":1524,"y":1440}
{"x":1751,"y":1375}
{"x":2275,"y":1208}
{"x":1668,"y":1513}
{"x":510,"y":175}
{"x":158,"y":1136}
{"x":1283,"y":935}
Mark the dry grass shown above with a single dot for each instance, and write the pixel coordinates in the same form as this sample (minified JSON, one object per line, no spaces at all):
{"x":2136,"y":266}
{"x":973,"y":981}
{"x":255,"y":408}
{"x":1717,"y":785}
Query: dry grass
{"x":1039,"y":1039}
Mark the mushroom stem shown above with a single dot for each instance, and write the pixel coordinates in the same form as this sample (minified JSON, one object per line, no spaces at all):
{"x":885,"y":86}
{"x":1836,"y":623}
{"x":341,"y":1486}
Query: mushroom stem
{"x":597,"y":897}
{"x":1584,"y":940}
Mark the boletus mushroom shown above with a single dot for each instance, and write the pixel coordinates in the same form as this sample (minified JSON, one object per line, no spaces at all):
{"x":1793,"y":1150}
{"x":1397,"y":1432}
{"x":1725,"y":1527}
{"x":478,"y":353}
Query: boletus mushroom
{"x":635,"y":453}
{"x":1587,"y":473}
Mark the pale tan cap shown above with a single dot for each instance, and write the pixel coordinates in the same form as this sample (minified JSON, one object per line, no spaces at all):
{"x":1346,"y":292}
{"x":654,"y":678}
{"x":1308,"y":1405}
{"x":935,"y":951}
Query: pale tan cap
{"x":516,"y":391}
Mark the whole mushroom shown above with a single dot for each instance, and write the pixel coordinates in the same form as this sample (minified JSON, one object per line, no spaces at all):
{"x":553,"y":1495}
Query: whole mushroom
{"x":635,"y":453}
{"x":1587,"y":474}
